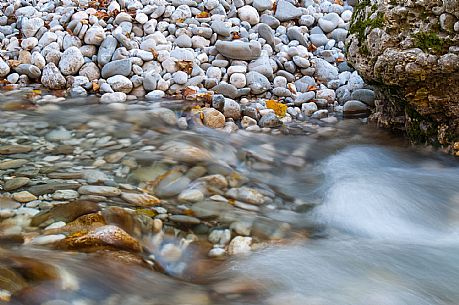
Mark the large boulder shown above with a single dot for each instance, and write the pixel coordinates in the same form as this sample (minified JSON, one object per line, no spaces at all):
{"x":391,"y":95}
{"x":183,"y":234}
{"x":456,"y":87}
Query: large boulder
{"x":409,"y":50}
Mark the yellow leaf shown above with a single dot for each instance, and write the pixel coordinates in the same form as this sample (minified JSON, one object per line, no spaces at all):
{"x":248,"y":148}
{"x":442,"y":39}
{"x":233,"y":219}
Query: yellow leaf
{"x":202,"y":15}
{"x":279,"y":108}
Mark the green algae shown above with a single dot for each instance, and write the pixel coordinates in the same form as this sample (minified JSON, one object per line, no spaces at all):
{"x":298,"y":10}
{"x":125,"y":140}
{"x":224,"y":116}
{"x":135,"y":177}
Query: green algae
{"x":363,"y":22}
{"x":429,"y":42}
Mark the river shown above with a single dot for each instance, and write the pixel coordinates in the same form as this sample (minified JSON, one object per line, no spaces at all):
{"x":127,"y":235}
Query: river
{"x":366,"y":218}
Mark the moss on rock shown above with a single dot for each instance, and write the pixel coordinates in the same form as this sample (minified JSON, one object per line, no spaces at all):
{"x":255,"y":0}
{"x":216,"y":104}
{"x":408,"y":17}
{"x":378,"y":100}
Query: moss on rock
{"x":429,"y":42}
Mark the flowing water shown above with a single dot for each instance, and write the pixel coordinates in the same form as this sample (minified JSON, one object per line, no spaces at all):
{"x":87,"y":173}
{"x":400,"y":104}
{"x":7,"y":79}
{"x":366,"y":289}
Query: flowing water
{"x":382,"y":218}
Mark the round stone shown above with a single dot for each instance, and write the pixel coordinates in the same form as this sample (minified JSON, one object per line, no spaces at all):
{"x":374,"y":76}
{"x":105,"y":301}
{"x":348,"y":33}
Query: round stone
{"x":180,"y":77}
{"x":238,"y":80}
{"x":120,"y":83}
{"x":249,"y":14}
{"x":213,"y":118}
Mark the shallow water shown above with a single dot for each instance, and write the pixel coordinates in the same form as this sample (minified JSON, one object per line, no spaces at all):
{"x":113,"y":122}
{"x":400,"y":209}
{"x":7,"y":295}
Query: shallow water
{"x":382,"y":217}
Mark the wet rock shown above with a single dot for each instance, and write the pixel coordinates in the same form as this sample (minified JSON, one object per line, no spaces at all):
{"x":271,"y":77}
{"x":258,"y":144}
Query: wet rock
{"x":15,"y":183}
{"x":60,"y":134}
{"x":191,"y":196}
{"x":210,"y":209}
{"x":8,"y":203}
{"x":99,"y":190}
{"x":16,"y":163}
{"x":213,"y":118}
{"x":41,"y":189}
{"x":220,"y":237}
{"x":14,"y":149}
{"x":185,"y":152}
{"x":184,"y":219}
{"x":65,"y":212}
{"x":270,"y":120}
{"x":105,"y":237}
{"x":166,"y":115}
{"x":65,"y":195}
{"x":142,"y":200}
{"x":354,"y":107}
{"x":47,"y":239}
{"x":240,"y":245}
{"x":114,"y":97}
{"x":246,"y":194}
{"x":172,"y":184}
{"x":366,"y":96}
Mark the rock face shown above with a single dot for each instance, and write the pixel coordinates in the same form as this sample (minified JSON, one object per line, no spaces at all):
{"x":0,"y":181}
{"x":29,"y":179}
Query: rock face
{"x":409,"y":52}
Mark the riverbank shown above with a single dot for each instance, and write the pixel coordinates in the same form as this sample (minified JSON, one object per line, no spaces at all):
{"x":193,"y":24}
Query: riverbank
{"x":257,"y":63}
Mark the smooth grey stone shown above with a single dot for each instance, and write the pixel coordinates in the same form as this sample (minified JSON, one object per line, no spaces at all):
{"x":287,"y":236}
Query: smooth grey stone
{"x":182,"y":54}
{"x":316,"y":30}
{"x":320,"y":114}
{"x":304,"y":83}
{"x":270,"y":120}
{"x":290,"y":66}
{"x":202,"y":31}
{"x":307,"y":20}
{"x":355,"y":107}
{"x":329,"y":22}
{"x":344,"y":66}
{"x":270,"y":21}
{"x":321,"y":103}
{"x":243,"y":92}
{"x":184,"y":219}
{"x":172,"y":185}
{"x":231,"y":109}
{"x":218,"y":101}
{"x":304,"y":97}
{"x":287,"y":11}
{"x":262,"y":65}
{"x":251,"y":112}
{"x":318,"y":39}
{"x":52,"y":77}
{"x":265,"y":32}
{"x":324,"y":71}
{"x":220,"y":28}
{"x":289,"y":76}
{"x":239,"y":49}
{"x":31,"y":71}
{"x":364,"y":95}
{"x":227,"y":90}
{"x":257,"y":82}
{"x":221,"y":63}
{"x":183,"y":41}
{"x":78,"y":91}
{"x":294,"y":33}
{"x":106,"y":50}
{"x":343,"y":94}
{"x":282,"y":92}
{"x":339,"y":34}
{"x":262,"y":5}
{"x":195,"y":81}
{"x":117,"y":67}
